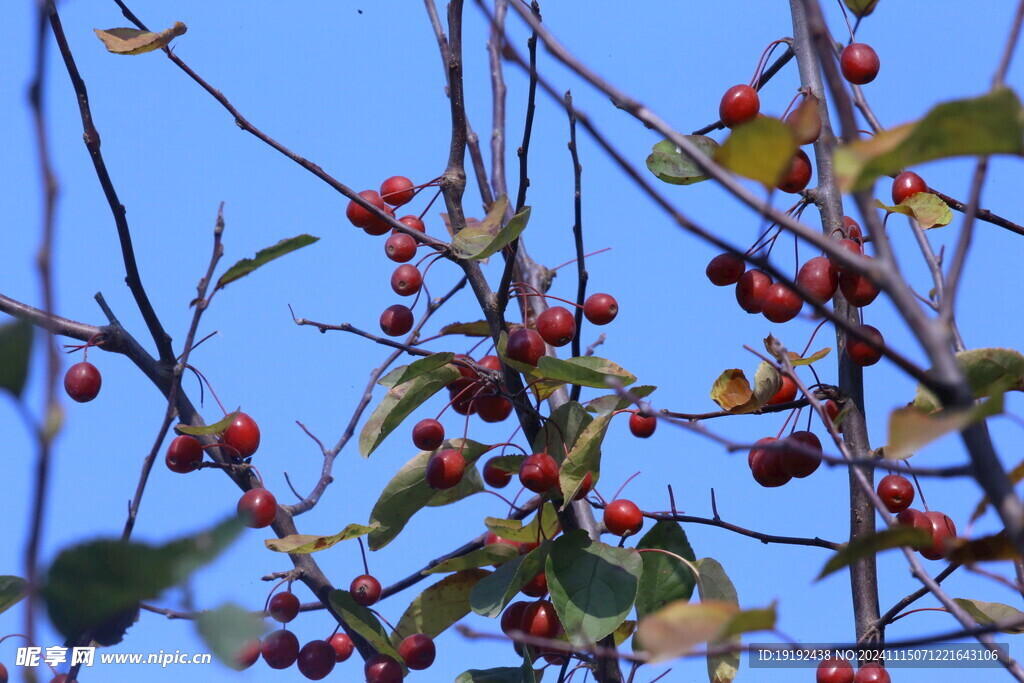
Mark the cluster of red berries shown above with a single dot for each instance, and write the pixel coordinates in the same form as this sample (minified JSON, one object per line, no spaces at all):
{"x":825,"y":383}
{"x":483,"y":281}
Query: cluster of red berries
{"x":897,"y":494}
{"x":557,"y":326}
{"x":798,"y":455}
{"x":841,"y":671}
{"x":537,"y":619}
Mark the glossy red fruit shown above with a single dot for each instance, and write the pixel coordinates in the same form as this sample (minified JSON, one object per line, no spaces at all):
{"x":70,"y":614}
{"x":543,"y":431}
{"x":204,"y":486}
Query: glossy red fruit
{"x":540,"y":620}
{"x":400,"y":247}
{"x":245,"y":658}
{"x":522,"y":548}
{"x":915,"y":518}
{"x":780,"y":303}
{"x":397,"y":190}
{"x":462,"y":392}
{"x":756,"y":450}
{"x":396,"y":320}
{"x":537,"y":587}
{"x":428,"y":434}
{"x":284,"y":607}
{"x":585,"y":487}
{"x":316,"y":659}
{"x":492,"y":407}
{"x":907,"y":184}
{"x":852,"y":228}
{"x":242,"y":437}
{"x":896,"y":492}
{"x":417,"y":651}
{"x":739,"y":104}
{"x":860,"y":352}
{"x":556,"y":326}
{"x":539,"y":472}
{"x":725,"y":269}
{"x":600,"y":309}
{"x":851,"y":246}
{"x":462,"y":364}
{"x":365,"y":590}
{"x":786,"y":392}
{"x":834,"y":671}
{"x":382,"y":669}
{"x":798,"y":175}
{"x":800,"y":463}
{"x":445,"y":469}
{"x":943,"y":530}
{"x":406,"y":280}
{"x":184,"y":453}
{"x":642,"y":426}
{"x":512,"y":617}
{"x":818,"y":278}
{"x":3,"y":674}
{"x":82,"y":382}
{"x":872,"y":672}
{"x":750,"y":290}
{"x":766,"y":464}
{"x":492,"y":363}
{"x":832,"y":410}
{"x":623,"y":517}
{"x":343,"y":646}
{"x":258,"y":507}
{"x":360,"y":217}
{"x":280,"y":649}
{"x":525,"y":346}
{"x":859,"y":63}
{"x":379,"y":226}
{"x":413,"y":222}
{"x":494,"y":477}
{"x":857,"y":289}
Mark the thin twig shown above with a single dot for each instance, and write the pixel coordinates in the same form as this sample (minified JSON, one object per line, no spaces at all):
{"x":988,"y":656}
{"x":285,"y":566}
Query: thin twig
{"x":577,"y":232}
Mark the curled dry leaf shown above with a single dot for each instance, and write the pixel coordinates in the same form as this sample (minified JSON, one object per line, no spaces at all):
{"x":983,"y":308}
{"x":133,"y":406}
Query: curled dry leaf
{"x":133,"y":41}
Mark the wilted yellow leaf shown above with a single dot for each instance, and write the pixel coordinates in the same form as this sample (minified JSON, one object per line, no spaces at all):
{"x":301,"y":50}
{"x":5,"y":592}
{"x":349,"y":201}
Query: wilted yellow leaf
{"x":132,"y":41}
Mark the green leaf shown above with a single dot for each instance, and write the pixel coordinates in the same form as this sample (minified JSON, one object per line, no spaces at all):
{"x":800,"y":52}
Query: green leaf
{"x":733,"y":393}
{"x":613,"y":402}
{"x":866,"y":546}
{"x":405,"y":373}
{"x":15,"y":353}
{"x":480,"y":328}
{"x":12,"y":590}
{"x":133,"y":41}
{"x":584,"y":457}
{"x":492,"y":594}
{"x":494,"y":554}
{"x":501,"y":674}
{"x":227,"y":630}
{"x":263,"y":257}
{"x":715,"y":586}
{"x":761,"y":150}
{"x":513,"y":529}
{"x":593,"y":585}
{"x":910,"y":429}
{"x":361,"y":620}
{"x":924,"y":207}
{"x":665,"y":579}
{"x":91,"y":582}
{"x":439,"y":606}
{"x":209,"y":430}
{"x":303,"y":544}
{"x":990,"y":124}
{"x":507,"y":463}
{"x":988,"y":371}
{"x":861,"y":8}
{"x":587,"y":371}
{"x":399,"y":402}
{"x":480,"y":242}
{"x":681,"y":626}
{"x":408,"y":492}
{"x":986,"y":613}
{"x":562,"y":430}
{"x":671,"y":165}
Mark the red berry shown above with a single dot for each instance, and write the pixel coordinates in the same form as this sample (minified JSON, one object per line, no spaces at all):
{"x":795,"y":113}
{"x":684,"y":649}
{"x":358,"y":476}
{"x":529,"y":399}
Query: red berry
{"x":316,"y":659}
{"x":492,"y":363}
{"x":400,"y":247}
{"x":852,"y":228}
{"x":379,"y":226}
{"x":82,"y":382}
{"x":915,"y":518}
{"x":766,"y":465}
{"x":537,"y":587}
{"x":851,"y":246}
{"x":396,"y":320}
{"x":832,"y":410}
{"x":492,"y":407}
{"x":557,"y":326}
{"x":382,"y":669}
{"x":750,"y":290}
{"x":462,"y":392}
{"x":896,"y":492}
{"x":539,"y":472}
{"x":259,"y":507}
{"x":780,"y":303}
{"x":872,"y":672}
{"x":859,"y":63}
{"x":397,"y":190}
{"x":799,"y":463}
{"x":284,"y":607}
{"x":642,"y":426}
{"x":413,"y":223}
{"x":525,"y":346}
{"x":942,"y":530}
{"x":739,"y":104}
{"x":512,"y":617}
{"x":360,"y":217}
{"x":858,"y":290}
{"x":819,"y":279}
{"x":184,"y":453}
{"x":246,"y":657}
{"x":445,"y":468}
{"x":907,"y":184}
{"x":725,"y":269}
{"x":365,"y":590}
{"x":495,"y":477}
{"x":242,"y":436}
{"x":343,"y":646}
{"x":623,"y":517}
{"x":600,"y":309}
{"x":541,"y":620}
{"x":3,"y":673}
{"x":834,"y":671}
{"x":798,"y":175}
{"x":522,"y":548}
{"x":280,"y":649}
{"x":786,"y":392}
{"x":860,"y":352}
{"x":406,"y":280}
{"x":417,"y":651}
{"x":428,"y":434}
{"x":585,"y":486}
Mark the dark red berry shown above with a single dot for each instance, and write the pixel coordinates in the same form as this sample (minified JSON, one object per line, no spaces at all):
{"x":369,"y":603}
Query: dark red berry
{"x":343,"y":646}
{"x":445,"y":468}
{"x":907,"y":184}
{"x":780,"y":303}
{"x":242,"y":436}
{"x":382,"y":669}
{"x":82,"y":382}
{"x":316,"y":659}
{"x":462,"y":392}
{"x":585,"y":487}
{"x":396,"y":320}
{"x":852,"y":228}
{"x":540,"y":620}
{"x":360,"y":217}
{"x":417,"y":651}
{"x":246,"y":657}
{"x":859,"y":63}
{"x":413,"y":223}
{"x":896,"y":492}
{"x":512,"y":617}
{"x":406,"y":280}
{"x":851,"y":246}
{"x":798,"y":175}
{"x":623,"y":517}
{"x":872,"y":672}
{"x":283,"y":607}
{"x":365,"y":590}
{"x":537,"y":587}
{"x":495,"y":477}
{"x":725,"y":269}
{"x":525,"y":346}
{"x":834,"y":671}
{"x":766,"y":465}
{"x":642,"y":426}
{"x":600,"y":309}
{"x":539,"y":472}
{"x":750,"y":290}
{"x":832,"y":410}
{"x":557,"y":326}
{"x":818,"y":278}
{"x":258,"y":507}
{"x":861,"y":352}
{"x":915,"y":518}
{"x":797,"y":462}
{"x":786,"y":392}
{"x":739,"y":104}
{"x":857,"y":289}
{"x":492,"y":363}
{"x":397,"y":190}
{"x":491,"y":407}
{"x":428,"y":434}
{"x":184,"y":453}
{"x":280,"y":649}
{"x":400,"y":247}
{"x":943,"y":530}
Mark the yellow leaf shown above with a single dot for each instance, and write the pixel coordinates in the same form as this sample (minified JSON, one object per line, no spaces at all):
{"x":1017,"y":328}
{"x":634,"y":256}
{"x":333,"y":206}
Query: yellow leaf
{"x":132,"y":41}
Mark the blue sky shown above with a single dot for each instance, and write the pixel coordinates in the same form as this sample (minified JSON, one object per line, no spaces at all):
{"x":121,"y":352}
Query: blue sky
{"x":358,"y":89}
